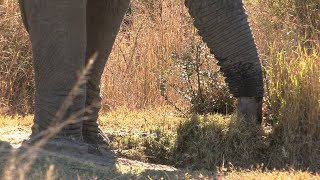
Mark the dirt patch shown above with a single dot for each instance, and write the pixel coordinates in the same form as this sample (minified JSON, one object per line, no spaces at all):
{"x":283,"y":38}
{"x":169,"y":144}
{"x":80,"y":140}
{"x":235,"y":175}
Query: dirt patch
{"x":120,"y":166}
{"x":14,"y":135}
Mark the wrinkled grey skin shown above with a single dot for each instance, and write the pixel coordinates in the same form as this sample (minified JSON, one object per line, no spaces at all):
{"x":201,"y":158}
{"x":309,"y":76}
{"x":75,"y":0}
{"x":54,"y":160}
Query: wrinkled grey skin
{"x":65,"y":33}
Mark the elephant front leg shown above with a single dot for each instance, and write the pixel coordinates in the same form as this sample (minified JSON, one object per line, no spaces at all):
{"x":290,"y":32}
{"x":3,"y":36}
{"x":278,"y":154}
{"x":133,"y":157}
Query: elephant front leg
{"x":57,"y":31}
{"x":103,"y":23}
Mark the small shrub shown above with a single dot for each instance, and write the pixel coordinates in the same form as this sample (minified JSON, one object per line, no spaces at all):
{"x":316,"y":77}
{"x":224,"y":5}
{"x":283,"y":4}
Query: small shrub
{"x":159,"y":149}
{"x":198,"y":82}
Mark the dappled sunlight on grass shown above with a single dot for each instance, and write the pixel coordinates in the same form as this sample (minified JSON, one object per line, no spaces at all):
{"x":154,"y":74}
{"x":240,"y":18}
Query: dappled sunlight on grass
{"x":221,"y":146}
{"x":272,"y":175}
{"x":17,"y":120}
{"x":125,"y":119}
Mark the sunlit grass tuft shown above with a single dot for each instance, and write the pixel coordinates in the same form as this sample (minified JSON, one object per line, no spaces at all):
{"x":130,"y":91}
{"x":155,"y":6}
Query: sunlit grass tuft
{"x":24,"y":121}
{"x":295,"y":108}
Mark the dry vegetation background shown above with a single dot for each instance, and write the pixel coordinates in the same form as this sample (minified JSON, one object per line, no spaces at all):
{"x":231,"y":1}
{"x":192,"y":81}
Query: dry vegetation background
{"x":157,"y":33}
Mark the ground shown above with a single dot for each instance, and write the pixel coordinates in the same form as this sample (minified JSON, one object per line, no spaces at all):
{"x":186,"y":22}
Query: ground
{"x":117,"y":165}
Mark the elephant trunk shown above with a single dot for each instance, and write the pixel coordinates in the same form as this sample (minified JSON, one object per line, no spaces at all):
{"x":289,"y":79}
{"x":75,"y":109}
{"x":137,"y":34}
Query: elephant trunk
{"x":224,"y":27}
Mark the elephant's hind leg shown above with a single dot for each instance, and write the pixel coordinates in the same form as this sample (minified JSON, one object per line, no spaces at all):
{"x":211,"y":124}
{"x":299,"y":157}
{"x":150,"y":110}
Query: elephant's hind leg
{"x":103,"y":23}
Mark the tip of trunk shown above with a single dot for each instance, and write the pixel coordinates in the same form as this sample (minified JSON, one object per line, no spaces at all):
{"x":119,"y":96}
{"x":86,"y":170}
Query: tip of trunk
{"x":250,"y":108}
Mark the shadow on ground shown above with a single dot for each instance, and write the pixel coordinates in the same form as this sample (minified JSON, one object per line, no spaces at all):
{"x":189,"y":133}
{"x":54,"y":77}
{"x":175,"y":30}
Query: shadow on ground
{"x":48,"y":165}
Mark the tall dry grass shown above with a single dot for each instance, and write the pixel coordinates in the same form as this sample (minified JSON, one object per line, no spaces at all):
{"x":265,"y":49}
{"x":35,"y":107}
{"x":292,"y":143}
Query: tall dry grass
{"x":288,"y":36}
{"x":16,"y":76}
{"x":143,"y":51}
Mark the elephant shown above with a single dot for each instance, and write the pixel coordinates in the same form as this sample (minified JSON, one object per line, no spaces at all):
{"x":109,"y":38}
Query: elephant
{"x":65,"y":33}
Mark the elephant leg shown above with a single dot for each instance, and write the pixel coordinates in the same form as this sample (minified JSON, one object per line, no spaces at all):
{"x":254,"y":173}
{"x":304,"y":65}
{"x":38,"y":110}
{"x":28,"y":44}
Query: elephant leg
{"x":224,"y":26}
{"x":23,"y":15}
{"x":57,"y":30}
{"x":103,"y":23}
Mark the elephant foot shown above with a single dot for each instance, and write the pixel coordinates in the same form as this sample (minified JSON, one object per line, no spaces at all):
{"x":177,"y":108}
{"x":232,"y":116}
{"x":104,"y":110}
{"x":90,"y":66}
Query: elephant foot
{"x":67,"y":141}
{"x":250,"y":108}
{"x":66,"y":145}
{"x":95,"y":137}
{"x":70,"y":132}
{"x":91,"y":139}
{"x":60,"y":145}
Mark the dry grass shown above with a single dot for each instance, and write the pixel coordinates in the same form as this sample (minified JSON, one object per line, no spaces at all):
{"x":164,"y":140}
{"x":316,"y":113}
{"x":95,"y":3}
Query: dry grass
{"x":222,"y":147}
{"x":24,"y":121}
{"x":16,"y":76}
{"x":287,"y":34}
{"x":296,"y":120}
{"x":143,"y":51}
{"x":126,"y":120}
{"x":276,"y":175}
